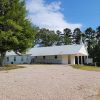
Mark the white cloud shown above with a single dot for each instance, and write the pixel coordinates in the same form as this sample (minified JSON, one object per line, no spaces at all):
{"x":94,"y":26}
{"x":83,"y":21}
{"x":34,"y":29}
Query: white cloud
{"x":48,"y":15}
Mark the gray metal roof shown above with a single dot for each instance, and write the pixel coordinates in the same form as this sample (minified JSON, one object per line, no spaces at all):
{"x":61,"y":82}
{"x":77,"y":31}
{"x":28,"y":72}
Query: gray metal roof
{"x":10,"y":53}
{"x":59,"y":50}
{"x":55,"y":50}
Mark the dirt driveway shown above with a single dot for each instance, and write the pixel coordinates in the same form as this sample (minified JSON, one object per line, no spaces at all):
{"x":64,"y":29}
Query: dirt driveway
{"x":49,"y":82}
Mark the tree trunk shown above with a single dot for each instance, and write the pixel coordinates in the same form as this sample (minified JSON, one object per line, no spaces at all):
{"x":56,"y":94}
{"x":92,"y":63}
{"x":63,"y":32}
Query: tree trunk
{"x":2,"y":58}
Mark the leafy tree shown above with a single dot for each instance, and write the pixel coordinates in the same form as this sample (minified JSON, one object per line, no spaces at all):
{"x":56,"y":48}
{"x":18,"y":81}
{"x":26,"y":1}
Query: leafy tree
{"x":90,"y":39}
{"x":98,"y":33}
{"x":41,"y":37}
{"x":58,"y":32}
{"x":96,"y":46}
{"x":96,"y":53}
{"x":45,"y":37}
{"x":16,"y":32}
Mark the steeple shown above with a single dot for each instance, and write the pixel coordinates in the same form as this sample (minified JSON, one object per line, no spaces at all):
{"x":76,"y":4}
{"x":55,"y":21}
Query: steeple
{"x":81,"y":41}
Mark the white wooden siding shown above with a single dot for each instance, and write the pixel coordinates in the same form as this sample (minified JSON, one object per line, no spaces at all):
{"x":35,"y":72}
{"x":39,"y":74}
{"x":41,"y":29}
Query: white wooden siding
{"x":26,"y":59}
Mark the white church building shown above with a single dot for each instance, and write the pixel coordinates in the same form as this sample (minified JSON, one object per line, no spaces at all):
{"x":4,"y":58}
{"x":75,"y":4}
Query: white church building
{"x":65,"y":54}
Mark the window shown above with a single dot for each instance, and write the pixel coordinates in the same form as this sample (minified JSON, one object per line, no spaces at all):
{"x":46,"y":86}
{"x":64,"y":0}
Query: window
{"x":27,"y":58}
{"x":21,"y":58}
{"x":14,"y":58}
{"x":55,"y":57}
{"x":7,"y":59}
{"x":43,"y":57}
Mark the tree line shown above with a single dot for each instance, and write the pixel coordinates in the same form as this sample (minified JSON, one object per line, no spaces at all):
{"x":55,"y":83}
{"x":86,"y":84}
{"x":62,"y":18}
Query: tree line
{"x":90,"y":37}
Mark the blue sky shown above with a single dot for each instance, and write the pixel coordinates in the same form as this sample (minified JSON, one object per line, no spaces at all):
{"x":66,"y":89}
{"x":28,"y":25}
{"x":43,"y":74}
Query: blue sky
{"x":58,"y":14}
{"x":86,"y":12}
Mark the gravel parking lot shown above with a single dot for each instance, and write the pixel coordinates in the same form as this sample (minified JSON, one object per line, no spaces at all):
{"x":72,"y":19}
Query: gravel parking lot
{"x":49,"y":82}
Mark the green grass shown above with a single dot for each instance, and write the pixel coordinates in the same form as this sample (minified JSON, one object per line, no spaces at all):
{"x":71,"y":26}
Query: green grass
{"x":10,"y":67}
{"x":85,"y":67}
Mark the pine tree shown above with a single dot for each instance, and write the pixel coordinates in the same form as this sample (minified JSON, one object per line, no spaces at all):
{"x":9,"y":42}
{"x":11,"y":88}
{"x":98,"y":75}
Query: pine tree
{"x":67,"y":36}
{"x":16,"y":32}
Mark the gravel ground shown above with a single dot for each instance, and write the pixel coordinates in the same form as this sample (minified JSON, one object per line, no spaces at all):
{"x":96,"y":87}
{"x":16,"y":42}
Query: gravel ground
{"x":49,"y":82}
